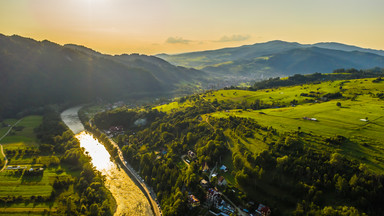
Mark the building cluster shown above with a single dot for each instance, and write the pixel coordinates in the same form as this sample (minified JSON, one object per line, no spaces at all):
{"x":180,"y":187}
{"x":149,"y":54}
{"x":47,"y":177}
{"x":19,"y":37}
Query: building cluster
{"x":16,"y":168}
{"x":214,"y":198}
{"x":115,"y":130}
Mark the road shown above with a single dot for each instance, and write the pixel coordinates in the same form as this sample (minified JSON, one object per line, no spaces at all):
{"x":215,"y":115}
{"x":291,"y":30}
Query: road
{"x":148,"y":192}
{"x":240,"y":212}
{"x":225,"y":197}
{"x":183,"y":159}
{"x":2,"y":151}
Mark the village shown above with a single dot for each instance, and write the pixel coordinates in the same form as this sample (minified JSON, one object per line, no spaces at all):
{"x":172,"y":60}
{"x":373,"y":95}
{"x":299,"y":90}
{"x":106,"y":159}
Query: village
{"x":216,"y":201}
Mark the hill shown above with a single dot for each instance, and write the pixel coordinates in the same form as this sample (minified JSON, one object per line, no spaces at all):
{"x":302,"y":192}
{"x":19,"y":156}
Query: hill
{"x":344,"y":47}
{"x":306,"y":149}
{"x":279,"y":58}
{"x":207,"y":58}
{"x":37,"y":73}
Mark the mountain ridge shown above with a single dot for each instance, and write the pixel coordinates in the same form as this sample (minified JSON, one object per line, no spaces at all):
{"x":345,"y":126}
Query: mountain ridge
{"x":259,"y":60}
{"x":36,"y":73}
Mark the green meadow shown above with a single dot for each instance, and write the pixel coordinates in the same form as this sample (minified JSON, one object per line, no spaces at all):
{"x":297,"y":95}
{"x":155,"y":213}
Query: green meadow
{"x":173,"y":106}
{"x":23,"y":144}
{"x":18,"y":185}
{"x":360,"y":116}
{"x":25,"y":137}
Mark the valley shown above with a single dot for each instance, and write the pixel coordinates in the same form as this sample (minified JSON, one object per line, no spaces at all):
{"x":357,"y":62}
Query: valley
{"x":191,"y":108}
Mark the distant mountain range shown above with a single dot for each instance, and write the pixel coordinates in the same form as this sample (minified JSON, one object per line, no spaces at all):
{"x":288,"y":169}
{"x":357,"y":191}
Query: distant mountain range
{"x":278,"y":58}
{"x":34,"y":73}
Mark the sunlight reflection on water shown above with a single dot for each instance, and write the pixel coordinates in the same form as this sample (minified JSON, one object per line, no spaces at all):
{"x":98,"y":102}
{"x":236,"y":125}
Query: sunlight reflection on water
{"x":100,"y":156}
{"x":130,"y":200}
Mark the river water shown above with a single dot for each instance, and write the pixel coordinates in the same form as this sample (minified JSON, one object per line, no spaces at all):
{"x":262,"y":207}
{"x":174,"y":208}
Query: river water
{"x":130,"y":200}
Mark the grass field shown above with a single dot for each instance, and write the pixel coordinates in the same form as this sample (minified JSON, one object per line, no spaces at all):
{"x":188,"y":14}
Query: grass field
{"x":173,"y":106}
{"x":366,"y":138}
{"x":12,"y":184}
{"x":24,"y":137}
{"x":331,"y":119}
{"x":285,"y":94}
{"x":27,"y":186}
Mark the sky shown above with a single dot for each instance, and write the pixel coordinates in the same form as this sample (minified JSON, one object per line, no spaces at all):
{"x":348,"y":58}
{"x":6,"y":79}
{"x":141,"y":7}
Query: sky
{"x":176,"y":26}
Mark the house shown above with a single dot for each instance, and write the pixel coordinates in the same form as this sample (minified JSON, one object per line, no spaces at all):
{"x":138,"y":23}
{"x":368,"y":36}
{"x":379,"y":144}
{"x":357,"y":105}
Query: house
{"x":213,"y":196}
{"x":191,"y":154}
{"x":263,"y":210}
{"x":204,"y":183}
{"x":221,"y":181}
{"x":224,"y":168}
{"x":310,"y":119}
{"x":193,"y":201}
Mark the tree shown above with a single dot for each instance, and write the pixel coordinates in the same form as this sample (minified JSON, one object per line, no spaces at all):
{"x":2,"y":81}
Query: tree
{"x":341,"y":185}
{"x":94,"y":209}
{"x":338,"y":104}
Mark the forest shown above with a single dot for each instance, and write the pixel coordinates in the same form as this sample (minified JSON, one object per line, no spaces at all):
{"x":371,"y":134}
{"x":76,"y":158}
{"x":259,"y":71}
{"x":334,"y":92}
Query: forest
{"x":294,"y":172}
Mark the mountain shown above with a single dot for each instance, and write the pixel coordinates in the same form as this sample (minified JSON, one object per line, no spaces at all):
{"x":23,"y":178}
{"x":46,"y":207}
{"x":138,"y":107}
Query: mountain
{"x":278,"y":58}
{"x":344,"y":47}
{"x":298,"y":61}
{"x":34,"y":73}
{"x":203,"y":59}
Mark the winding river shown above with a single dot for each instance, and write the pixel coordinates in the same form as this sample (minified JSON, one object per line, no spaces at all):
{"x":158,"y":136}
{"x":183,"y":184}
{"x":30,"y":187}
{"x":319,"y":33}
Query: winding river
{"x":130,"y":200}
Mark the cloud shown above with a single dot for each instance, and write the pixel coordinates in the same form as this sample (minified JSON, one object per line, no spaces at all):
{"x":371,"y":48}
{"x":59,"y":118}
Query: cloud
{"x":235,"y":37}
{"x":175,"y":40}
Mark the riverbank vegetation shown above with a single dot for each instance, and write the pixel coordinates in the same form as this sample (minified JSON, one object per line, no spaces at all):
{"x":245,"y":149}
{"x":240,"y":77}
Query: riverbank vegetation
{"x":295,"y":149}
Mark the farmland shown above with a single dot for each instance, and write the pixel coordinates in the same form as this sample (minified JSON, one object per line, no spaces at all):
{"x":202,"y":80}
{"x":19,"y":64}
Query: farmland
{"x":23,"y":193}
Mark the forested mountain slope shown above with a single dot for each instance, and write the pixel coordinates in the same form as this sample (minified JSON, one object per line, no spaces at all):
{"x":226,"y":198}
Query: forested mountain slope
{"x":34,"y":73}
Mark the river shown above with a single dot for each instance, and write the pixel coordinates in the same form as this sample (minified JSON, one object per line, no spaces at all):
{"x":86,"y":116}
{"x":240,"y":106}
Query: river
{"x":129,"y":198}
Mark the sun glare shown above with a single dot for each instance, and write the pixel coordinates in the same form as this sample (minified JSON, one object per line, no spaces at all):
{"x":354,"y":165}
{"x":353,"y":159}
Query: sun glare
{"x":100,"y":156}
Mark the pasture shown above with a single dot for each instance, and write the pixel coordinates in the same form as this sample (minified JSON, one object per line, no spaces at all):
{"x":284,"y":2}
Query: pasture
{"x":360,"y":117}
{"x":24,"y":137}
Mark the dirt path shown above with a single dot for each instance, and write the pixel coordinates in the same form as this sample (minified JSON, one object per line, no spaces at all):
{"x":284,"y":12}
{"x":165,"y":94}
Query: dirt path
{"x":2,"y":150}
